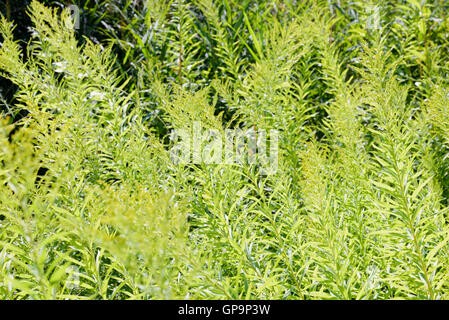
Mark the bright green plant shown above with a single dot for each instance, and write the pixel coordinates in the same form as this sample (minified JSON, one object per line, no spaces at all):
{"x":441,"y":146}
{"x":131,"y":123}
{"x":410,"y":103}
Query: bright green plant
{"x":92,"y":205}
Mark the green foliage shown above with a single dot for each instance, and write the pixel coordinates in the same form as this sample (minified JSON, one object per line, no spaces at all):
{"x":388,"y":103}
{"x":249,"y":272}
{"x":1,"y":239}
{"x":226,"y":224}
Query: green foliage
{"x":93,"y":207}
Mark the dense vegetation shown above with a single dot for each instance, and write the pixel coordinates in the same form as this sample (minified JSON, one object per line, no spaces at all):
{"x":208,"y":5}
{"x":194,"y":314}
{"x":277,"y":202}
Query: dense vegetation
{"x":92,"y":206}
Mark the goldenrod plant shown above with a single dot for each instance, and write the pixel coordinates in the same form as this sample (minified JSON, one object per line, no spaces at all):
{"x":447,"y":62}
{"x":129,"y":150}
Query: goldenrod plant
{"x":336,"y":188}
